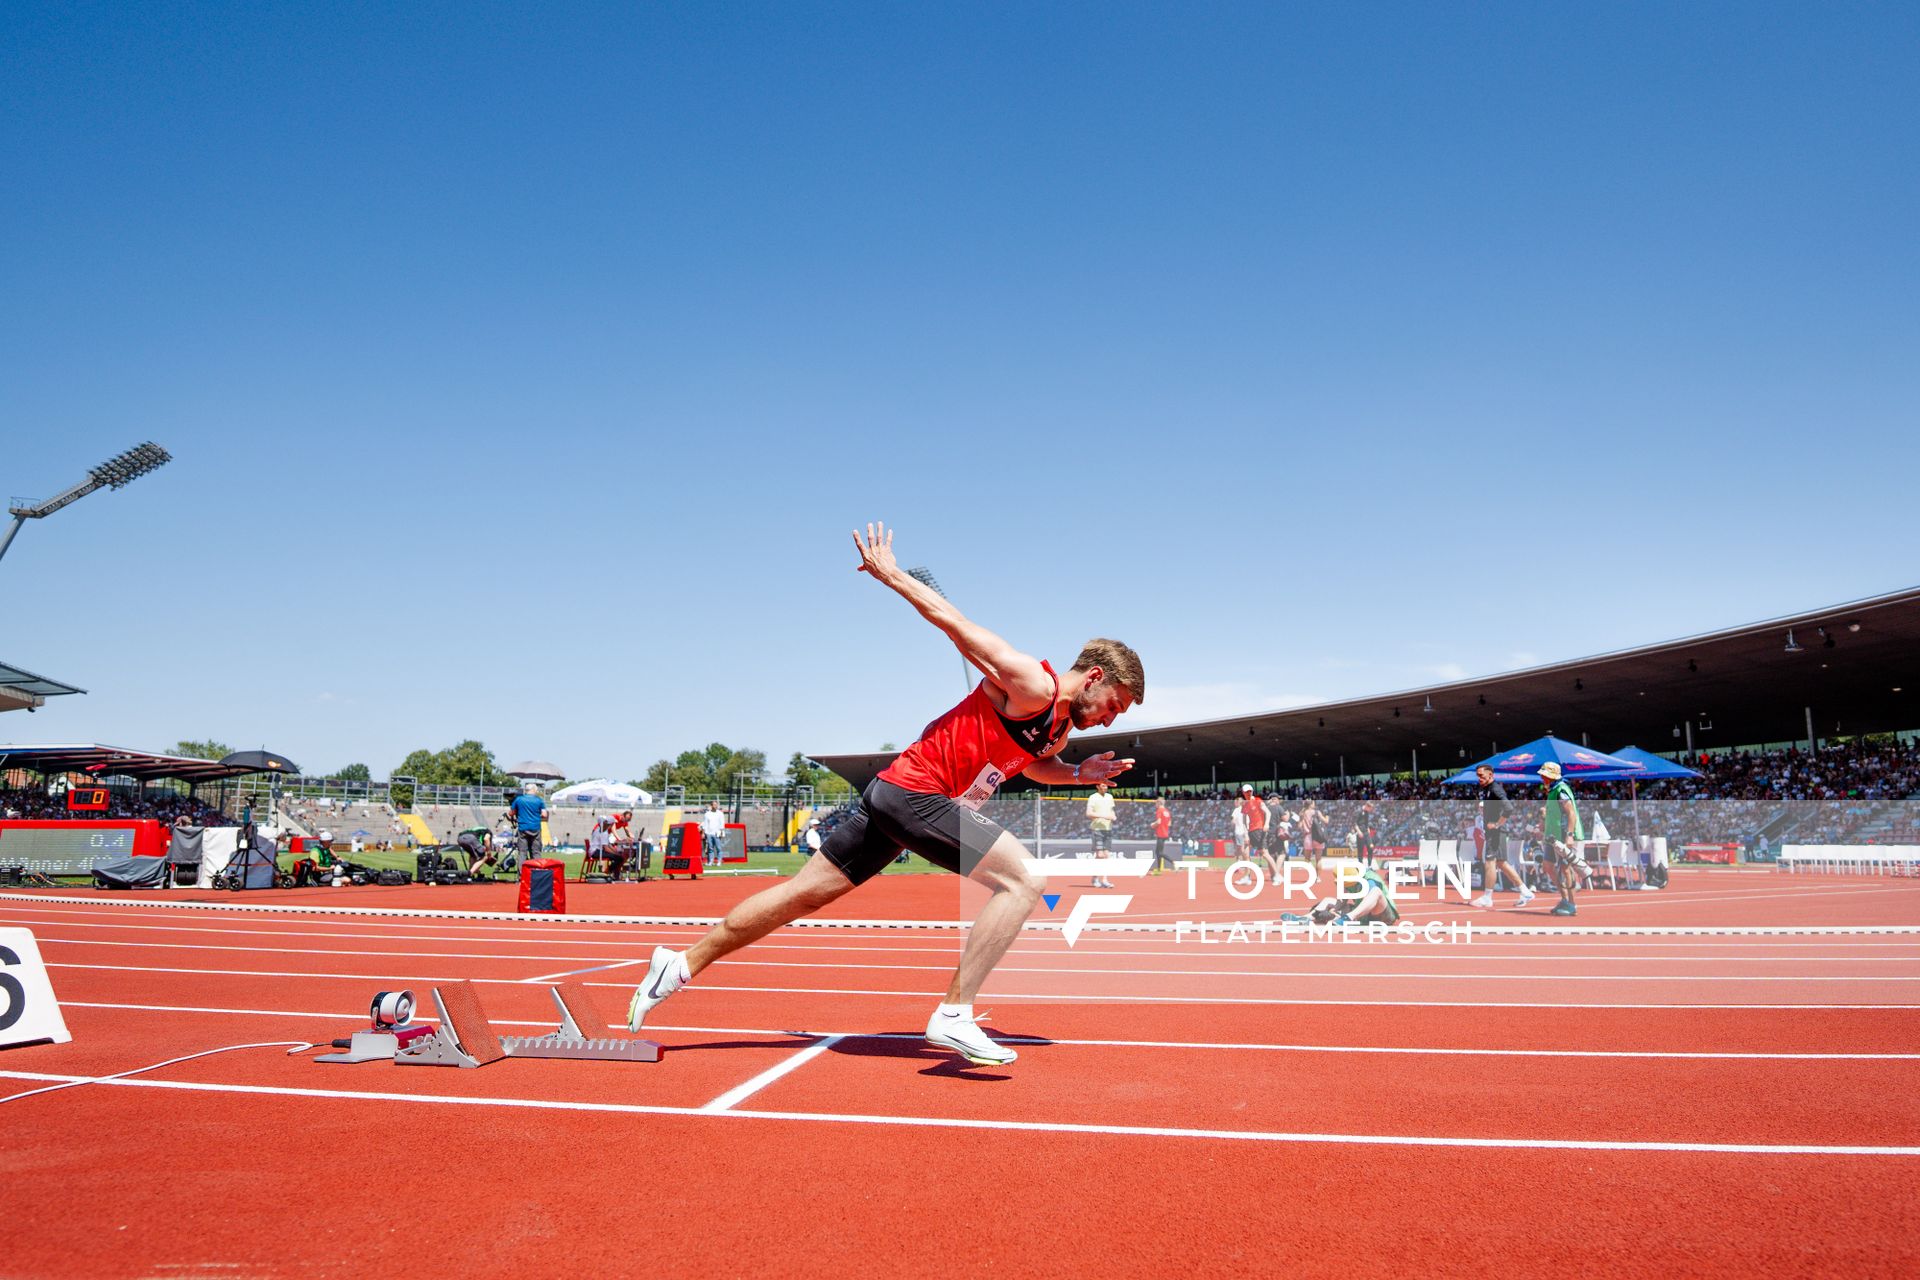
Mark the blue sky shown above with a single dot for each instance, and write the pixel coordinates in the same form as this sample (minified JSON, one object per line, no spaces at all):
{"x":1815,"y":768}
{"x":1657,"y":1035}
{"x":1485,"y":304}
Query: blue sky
{"x":1314,"y":353}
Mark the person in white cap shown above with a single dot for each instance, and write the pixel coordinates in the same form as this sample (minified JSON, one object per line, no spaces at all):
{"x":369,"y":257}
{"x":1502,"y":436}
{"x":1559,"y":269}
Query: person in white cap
{"x":812,"y":838}
{"x":1560,"y":825}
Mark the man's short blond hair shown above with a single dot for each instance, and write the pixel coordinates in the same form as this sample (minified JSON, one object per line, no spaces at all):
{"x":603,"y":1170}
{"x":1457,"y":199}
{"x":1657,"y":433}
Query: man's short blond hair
{"x":1119,"y":661}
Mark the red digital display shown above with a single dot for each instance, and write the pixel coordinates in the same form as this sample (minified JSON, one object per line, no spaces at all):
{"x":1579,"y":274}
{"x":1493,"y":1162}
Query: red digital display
{"x":87,"y":800}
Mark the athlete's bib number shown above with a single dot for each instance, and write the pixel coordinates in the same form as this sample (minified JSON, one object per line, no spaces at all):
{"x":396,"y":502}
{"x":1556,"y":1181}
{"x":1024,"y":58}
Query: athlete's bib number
{"x":982,"y":789}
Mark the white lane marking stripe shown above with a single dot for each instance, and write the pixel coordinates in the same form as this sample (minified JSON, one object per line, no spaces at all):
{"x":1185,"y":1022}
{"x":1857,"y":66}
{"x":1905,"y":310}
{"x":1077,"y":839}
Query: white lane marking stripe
{"x":1039,"y":947}
{"x":1689,"y":979}
{"x":315,"y":951}
{"x":540,"y":919}
{"x":1119,"y":1044}
{"x":1023,"y":1126}
{"x":1292,"y":952}
{"x":1675,"y":939}
{"x":741,"y":1092}
{"x":598,"y":968}
{"x":1056,"y":997}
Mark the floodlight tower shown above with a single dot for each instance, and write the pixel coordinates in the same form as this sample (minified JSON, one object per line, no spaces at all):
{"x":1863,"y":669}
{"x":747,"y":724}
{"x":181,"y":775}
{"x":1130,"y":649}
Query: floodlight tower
{"x":924,"y":576}
{"x":116,"y":472}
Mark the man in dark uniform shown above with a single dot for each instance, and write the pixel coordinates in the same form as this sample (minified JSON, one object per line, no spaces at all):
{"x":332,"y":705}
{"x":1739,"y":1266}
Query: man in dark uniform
{"x":1494,"y":813}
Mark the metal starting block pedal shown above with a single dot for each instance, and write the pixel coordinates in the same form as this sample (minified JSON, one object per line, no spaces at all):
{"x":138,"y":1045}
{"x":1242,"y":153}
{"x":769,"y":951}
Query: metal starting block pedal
{"x":465,"y":1038}
{"x":582,"y":1034}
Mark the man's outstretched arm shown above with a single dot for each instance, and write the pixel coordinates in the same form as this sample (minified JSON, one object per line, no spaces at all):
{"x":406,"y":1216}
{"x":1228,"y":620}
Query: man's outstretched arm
{"x":1054,"y":772}
{"x":1019,"y":675}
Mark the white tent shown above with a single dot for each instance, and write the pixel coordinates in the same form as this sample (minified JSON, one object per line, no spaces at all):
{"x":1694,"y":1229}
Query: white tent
{"x":601,"y":791}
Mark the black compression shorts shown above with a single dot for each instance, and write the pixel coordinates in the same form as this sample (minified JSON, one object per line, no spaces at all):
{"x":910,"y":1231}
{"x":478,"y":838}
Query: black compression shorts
{"x":891,"y":818}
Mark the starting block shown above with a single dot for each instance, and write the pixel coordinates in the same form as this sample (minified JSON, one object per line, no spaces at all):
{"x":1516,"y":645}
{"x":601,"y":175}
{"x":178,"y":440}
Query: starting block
{"x":465,"y":1038}
{"x":582,"y":1034}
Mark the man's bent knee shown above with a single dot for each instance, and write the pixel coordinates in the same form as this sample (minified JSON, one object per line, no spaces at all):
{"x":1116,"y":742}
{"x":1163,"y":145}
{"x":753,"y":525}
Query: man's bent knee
{"x":1007,"y":868}
{"x":818,"y":883}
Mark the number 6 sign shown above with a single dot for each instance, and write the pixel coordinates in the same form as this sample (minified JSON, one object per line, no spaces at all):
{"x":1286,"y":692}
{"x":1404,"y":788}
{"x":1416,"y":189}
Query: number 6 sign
{"x":29,"y":1013}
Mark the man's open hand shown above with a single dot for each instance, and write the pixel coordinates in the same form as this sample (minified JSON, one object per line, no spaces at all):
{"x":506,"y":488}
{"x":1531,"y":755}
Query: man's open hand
{"x":876,"y":551}
{"x":1103,"y":768}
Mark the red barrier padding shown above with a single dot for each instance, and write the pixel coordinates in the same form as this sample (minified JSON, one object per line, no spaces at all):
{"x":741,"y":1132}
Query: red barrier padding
{"x":543,"y":886}
{"x":685,"y":855}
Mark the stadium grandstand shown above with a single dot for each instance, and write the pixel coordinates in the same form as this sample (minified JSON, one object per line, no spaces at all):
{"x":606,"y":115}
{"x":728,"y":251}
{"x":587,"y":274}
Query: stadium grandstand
{"x":1802,"y":728}
{"x":24,"y":691}
{"x":37,"y":783}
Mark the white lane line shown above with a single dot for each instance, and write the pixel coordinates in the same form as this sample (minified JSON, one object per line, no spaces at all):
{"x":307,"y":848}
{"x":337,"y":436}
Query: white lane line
{"x":455,"y":932}
{"x":315,"y":951}
{"x":1347,"y":951}
{"x":1045,"y":947}
{"x":598,"y":968}
{"x":1014,"y":1126}
{"x":1236,"y":1046}
{"x":741,"y":1092}
{"x":543,"y":920}
{"x":1048,"y":997}
{"x":1397,"y":975}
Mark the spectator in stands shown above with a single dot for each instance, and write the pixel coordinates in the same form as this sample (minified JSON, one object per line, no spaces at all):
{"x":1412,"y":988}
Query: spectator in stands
{"x":527,"y":811}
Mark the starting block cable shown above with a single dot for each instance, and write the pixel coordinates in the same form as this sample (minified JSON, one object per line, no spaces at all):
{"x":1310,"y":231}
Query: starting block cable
{"x":291,"y":1046}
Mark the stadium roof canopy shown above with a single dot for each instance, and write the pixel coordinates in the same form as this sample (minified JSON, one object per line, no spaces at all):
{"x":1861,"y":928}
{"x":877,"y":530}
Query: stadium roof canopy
{"x":115,"y":762}
{"x":23,"y":690}
{"x":1727,"y":688}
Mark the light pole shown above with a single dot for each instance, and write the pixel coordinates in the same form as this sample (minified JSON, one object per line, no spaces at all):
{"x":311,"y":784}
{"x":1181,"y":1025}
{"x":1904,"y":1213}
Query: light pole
{"x":115,"y":473}
{"x":924,"y":576}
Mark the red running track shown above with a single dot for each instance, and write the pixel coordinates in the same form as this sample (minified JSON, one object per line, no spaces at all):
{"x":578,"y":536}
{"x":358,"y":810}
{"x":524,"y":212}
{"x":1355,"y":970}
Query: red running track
{"x":1553,"y":1102}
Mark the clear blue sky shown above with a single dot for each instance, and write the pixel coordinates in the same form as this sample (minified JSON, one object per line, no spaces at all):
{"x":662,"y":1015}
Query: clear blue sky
{"x":1313,"y":353}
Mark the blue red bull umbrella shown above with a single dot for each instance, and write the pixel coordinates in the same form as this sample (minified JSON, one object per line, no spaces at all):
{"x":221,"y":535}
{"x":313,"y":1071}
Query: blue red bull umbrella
{"x":1522,"y":764}
{"x":1654,"y":768}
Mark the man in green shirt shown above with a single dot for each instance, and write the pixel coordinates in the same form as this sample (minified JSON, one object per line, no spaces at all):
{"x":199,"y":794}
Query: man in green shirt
{"x":1560,"y":825}
{"x":1372,"y":903}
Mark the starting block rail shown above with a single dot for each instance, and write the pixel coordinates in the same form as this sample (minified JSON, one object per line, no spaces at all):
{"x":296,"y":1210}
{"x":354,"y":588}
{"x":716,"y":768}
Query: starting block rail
{"x":466,"y":1038}
{"x":582,"y":1034}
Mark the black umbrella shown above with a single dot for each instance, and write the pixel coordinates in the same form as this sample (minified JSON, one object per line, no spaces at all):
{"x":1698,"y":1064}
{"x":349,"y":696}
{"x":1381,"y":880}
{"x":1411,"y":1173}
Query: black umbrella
{"x":540,"y":770}
{"x":259,"y":762}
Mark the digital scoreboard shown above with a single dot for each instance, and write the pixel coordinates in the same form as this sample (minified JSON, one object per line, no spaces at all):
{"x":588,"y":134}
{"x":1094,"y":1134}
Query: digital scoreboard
{"x":75,"y":848}
{"x":87,"y":800}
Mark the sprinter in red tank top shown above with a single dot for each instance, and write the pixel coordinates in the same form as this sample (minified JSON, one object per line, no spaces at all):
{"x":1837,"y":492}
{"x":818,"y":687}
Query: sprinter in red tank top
{"x":1016,"y":721}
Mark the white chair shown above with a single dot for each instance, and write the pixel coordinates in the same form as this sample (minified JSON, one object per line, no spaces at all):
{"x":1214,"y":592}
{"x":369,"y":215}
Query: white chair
{"x":1619,"y":864}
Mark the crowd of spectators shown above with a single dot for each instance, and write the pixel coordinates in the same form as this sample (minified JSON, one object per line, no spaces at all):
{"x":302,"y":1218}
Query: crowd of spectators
{"x":1865,"y":792}
{"x":38,"y":804}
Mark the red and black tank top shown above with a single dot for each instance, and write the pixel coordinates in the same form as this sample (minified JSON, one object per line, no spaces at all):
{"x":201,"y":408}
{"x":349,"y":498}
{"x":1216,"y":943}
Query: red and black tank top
{"x":968,"y":752}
